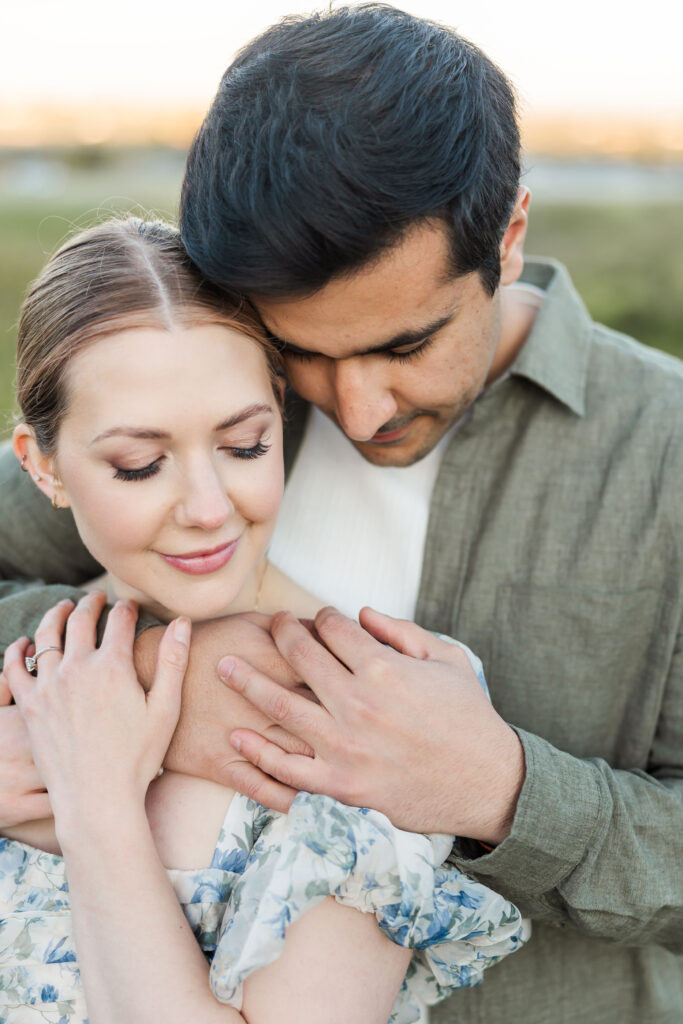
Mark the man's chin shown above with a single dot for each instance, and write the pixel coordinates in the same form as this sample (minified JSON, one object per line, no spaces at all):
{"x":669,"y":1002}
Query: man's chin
{"x":402,"y":454}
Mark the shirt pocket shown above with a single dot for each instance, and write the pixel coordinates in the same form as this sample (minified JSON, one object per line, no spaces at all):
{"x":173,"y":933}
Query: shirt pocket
{"x":584,"y":668}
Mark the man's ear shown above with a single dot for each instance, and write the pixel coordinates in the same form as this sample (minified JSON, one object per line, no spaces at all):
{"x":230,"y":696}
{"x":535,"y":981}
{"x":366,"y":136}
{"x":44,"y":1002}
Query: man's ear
{"x":38,"y":465}
{"x":512,"y":245}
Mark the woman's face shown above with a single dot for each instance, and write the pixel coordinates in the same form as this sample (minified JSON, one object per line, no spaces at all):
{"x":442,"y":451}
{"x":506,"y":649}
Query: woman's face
{"x":170,"y":457}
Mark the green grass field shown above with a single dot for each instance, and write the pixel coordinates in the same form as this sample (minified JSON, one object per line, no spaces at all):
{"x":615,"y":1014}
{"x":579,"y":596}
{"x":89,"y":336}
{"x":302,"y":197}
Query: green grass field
{"x":627,"y":262}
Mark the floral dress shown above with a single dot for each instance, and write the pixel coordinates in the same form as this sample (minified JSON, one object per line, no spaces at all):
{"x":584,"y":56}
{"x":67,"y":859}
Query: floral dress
{"x":268,"y":869}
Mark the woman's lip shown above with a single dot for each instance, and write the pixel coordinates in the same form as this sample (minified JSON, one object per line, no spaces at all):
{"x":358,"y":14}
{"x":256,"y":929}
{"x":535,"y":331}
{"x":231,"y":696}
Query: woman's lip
{"x":200,"y":562}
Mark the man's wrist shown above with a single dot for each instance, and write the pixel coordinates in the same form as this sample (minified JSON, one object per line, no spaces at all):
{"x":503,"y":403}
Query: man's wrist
{"x":507,"y":782}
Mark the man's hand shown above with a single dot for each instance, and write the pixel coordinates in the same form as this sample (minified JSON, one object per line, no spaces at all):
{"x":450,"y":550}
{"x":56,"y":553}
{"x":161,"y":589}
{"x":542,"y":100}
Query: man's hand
{"x":200,"y":745}
{"x":403,"y":725}
{"x":22,"y":794}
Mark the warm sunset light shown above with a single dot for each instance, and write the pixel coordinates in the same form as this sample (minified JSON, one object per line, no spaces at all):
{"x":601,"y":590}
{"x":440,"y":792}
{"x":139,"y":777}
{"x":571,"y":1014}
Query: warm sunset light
{"x":74,"y":72}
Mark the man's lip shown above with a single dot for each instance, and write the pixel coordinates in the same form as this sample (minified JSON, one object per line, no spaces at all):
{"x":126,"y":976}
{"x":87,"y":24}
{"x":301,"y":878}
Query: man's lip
{"x":197,"y":563}
{"x":387,"y":436}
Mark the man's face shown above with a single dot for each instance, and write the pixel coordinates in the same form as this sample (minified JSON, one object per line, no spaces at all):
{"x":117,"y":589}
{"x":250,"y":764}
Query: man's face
{"x":395,"y":353}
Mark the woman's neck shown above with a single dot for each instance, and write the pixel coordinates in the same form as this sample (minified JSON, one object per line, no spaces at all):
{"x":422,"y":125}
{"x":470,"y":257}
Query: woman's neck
{"x":266,"y":590}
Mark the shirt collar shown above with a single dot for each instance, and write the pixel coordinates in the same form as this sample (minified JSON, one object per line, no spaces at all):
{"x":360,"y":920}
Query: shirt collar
{"x":557,"y":351}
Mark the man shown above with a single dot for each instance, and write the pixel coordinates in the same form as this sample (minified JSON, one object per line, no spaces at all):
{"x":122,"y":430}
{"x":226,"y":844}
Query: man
{"x":358,"y":177}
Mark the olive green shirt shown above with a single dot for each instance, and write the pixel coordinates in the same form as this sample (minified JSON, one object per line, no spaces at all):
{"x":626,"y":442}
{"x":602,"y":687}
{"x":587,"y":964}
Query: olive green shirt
{"x":555,"y":550}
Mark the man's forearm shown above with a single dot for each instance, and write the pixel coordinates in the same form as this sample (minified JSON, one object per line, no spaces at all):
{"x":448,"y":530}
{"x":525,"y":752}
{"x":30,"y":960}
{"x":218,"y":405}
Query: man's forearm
{"x":591,"y":848}
{"x":22,"y":606}
{"x":37,"y":543}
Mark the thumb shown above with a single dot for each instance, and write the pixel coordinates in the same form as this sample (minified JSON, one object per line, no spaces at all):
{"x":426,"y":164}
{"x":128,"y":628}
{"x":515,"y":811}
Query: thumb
{"x":172,"y":658}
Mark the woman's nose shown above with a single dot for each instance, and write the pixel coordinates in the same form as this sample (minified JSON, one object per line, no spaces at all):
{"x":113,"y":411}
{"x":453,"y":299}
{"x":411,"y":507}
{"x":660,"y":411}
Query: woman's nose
{"x":206,"y":502}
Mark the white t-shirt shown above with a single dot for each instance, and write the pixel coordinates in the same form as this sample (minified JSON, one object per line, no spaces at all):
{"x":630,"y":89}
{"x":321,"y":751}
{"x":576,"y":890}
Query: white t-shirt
{"x":350,"y":532}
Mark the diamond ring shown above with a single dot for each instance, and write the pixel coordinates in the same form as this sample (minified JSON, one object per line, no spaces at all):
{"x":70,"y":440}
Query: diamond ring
{"x":32,"y":663}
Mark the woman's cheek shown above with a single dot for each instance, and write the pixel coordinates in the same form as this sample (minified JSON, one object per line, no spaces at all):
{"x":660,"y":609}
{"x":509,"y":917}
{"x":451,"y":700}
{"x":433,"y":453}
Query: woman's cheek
{"x":116,"y":523}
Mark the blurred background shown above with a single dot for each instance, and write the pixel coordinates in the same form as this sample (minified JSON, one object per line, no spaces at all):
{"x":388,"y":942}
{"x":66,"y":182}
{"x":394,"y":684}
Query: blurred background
{"x":98,"y":103}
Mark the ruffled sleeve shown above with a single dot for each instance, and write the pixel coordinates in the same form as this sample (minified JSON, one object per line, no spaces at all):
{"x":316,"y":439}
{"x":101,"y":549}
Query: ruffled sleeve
{"x":323,"y":848}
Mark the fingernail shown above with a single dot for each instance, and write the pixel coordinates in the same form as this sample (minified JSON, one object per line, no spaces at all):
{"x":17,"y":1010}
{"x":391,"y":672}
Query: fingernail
{"x":225,"y":668}
{"x":64,"y":602}
{"x":236,"y":742}
{"x":181,"y":630}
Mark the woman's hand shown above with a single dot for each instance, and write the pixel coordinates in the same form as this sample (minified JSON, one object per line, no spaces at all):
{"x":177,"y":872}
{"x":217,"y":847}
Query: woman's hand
{"x":97,"y":737}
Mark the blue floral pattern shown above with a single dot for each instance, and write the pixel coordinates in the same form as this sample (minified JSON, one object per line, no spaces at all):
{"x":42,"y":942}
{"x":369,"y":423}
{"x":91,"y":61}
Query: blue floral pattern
{"x":268,"y":869}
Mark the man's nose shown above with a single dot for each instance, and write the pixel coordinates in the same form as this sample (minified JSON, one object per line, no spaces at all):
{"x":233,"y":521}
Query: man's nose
{"x":206,"y":502}
{"x":363,"y":400}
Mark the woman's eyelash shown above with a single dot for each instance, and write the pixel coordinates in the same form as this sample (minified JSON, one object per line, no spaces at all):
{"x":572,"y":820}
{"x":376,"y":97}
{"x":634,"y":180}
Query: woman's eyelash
{"x":138,"y":474}
{"x":414,"y":353}
{"x":145,"y":472}
{"x":251,"y":453}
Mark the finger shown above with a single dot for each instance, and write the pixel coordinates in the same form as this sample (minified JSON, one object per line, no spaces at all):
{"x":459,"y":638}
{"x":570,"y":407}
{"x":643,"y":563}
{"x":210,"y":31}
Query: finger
{"x":174,"y":651}
{"x":289,"y":710}
{"x":309,"y":658}
{"x":404,"y":636}
{"x":29,"y":807}
{"x":5,"y":692}
{"x":285,"y":741}
{"x":119,"y":633}
{"x":19,"y":681}
{"x":81,"y":630}
{"x":249,"y":780}
{"x":50,"y":633}
{"x":345,"y":638}
{"x":290,"y":770}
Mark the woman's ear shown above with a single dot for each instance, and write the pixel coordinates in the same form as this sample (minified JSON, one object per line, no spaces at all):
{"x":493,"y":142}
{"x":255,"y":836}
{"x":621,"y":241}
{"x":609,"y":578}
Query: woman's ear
{"x":40,"y":466}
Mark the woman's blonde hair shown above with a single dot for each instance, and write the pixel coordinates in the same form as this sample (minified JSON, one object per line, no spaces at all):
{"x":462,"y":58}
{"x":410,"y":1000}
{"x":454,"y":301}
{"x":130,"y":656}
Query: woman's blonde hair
{"x":118,"y":275}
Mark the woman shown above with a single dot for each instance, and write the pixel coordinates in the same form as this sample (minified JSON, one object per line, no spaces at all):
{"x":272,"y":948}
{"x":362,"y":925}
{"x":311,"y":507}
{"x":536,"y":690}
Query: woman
{"x":151,"y":408}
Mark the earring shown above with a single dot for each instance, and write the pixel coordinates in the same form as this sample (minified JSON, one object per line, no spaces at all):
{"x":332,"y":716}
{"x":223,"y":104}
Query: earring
{"x":36,"y":477}
{"x":55,"y":506}
{"x":23,"y":464}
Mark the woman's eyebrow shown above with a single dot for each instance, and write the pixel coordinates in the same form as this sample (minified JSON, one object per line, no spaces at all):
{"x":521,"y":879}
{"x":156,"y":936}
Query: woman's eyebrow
{"x":246,"y":414}
{"x":146,"y":434}
{"x":139,"y":433}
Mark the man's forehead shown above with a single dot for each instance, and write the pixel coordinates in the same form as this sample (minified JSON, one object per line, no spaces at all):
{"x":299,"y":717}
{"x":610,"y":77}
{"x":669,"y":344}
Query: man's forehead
{"x":395,"y":301}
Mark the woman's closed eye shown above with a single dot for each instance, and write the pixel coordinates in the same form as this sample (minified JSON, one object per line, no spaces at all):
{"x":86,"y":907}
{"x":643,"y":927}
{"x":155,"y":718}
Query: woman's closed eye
{"x":143,"y":473}
{"x":253,"y":452}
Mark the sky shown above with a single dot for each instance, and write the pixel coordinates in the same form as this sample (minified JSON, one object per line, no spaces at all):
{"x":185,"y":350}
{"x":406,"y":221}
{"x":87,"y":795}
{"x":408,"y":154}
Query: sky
{"x":581,"y":56}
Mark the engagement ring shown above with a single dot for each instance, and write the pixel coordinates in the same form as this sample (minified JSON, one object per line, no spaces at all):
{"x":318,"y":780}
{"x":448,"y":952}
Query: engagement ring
{"x":32,"y":663}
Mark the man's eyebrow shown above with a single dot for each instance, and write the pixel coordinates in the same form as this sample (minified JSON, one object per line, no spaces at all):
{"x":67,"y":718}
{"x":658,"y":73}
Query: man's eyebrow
{"x":413,"y":337}
{"x":145,"y":434}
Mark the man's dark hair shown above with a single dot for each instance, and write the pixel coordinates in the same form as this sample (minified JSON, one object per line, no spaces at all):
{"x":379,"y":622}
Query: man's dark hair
{"x":334,"y":133}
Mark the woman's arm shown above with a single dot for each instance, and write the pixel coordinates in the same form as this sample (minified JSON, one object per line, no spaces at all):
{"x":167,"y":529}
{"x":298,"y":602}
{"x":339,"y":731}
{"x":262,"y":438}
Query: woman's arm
{"x":98,"y":740}
{"x":140,"y":962}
